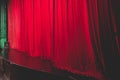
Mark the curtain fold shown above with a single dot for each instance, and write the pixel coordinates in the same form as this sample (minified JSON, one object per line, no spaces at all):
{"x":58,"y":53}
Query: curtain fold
{"x":33,"y":26}
{"x":74,"y":34}
{"x":103,"y":30}
{"x":73,"y":49}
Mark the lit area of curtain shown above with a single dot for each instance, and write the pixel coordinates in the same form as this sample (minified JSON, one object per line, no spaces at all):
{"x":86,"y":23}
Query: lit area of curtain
{"x":2,"y":25}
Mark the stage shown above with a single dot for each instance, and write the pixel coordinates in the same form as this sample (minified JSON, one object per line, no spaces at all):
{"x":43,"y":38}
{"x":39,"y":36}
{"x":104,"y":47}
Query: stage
{"x":18,"y":66}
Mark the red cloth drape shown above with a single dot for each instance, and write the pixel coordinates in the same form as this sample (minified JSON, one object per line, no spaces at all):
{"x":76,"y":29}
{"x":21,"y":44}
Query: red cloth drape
{"x":103,"y":36}
{"x":73,"y":48}
{"x":57,"y":30}
{"x":30,"y":26}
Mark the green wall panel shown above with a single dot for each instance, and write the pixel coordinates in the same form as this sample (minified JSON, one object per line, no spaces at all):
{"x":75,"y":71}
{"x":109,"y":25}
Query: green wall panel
{"x":3,"y":25}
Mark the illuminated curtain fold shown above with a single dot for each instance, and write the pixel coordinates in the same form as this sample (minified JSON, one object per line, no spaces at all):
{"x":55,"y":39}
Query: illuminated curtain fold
{"x":67,"y":32}
{"x":32,"y":23}
{"x":2,"y":24}
{"x":72,"y":48}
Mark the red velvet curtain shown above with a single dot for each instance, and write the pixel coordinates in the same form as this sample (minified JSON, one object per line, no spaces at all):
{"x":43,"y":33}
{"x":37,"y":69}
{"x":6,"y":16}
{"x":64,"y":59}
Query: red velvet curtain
{"x":30,"y":26}
{"x":103,"y":35}
{"x":72,"y":45}
{"x":62,"y":31}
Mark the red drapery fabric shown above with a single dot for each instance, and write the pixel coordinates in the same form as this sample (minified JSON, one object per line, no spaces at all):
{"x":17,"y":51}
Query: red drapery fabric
{"x":58,"y":30}
{"x":72,"y":45}
{"x":103,"y":35}
{"x":30,"y":26}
